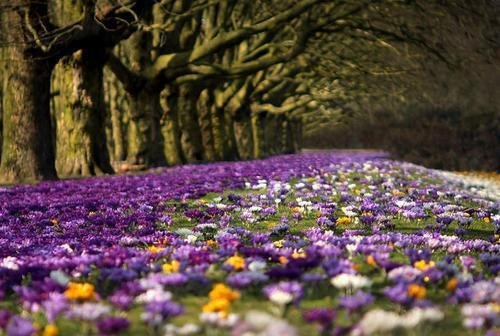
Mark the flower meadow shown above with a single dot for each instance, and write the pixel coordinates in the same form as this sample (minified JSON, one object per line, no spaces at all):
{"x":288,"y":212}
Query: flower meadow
{"x":329,"y":243}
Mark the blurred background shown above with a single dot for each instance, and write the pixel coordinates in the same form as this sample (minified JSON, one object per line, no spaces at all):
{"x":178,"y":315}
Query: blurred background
{"x":443,"y":118}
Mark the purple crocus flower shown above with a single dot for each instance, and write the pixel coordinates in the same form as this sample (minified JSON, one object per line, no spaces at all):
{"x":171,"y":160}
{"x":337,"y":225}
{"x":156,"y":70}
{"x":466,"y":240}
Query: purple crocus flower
{"x":5,"y":316}
{"x":245,"y":279}
{"x":313,"y":277}
{"x":121,"y":300}
{"x":290,"y":291}
{"x":112,"y":325}
{"x":357,"y":301}
{"x":468,"y":262}
{"x":367,"y":219}
{"x":324,"y":221}
{"x":417,"y":255}
{"x":398,"y":294}
{"x":280,"y":229}
{"x":476,"y":316}
{"x":323,"y":316}
{"x":158,"y":311}
{"x":54,"y":306}
{"x":19,"y":326}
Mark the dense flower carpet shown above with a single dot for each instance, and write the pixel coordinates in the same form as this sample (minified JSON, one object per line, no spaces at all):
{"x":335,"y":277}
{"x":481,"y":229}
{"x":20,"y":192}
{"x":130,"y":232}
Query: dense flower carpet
{"x":331,"y":243}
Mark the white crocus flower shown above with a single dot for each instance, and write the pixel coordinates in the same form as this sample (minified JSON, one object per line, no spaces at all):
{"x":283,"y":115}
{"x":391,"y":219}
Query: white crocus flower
{"x":218,"y":320}
{"x":381,"y":321}
{"x":9,"y":263}
{"x":89,"y":311}
{"x":191,"y":239}
{"x":186,"y":329}
{"x":257,"y":266}
{"x":154,"y":294}
{"x":377,"y":320}
{"x":281,"y":298}
{"x":352,"y":281}
{"x":60,"y":277}
{"x":184,"y":232}
{"x":419,"y":315}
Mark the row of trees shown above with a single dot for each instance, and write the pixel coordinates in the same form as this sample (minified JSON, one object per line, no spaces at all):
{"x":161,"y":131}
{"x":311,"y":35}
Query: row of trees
{"x":92,"y":83}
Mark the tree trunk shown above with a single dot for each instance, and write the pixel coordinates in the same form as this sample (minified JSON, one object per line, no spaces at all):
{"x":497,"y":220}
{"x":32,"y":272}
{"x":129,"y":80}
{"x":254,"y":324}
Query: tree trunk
{"x":81,"y":134}
{"x":243,"y":134}
{"x":145,"y":139}
{"x":204,"y":106}
{"x":297,"y":134}
{"x":278,"y":131}
{"x":288,"y":147}
{"x":223,"y":131}
{"x":117,"y":105}
{"x":272,"y":134}
{"x":27,"y":148}
{"x":282,"y":134}
{"x":218,"y":131}
{"x":259,"y":135}
{"x":191,"y":140}
{"x":170,"y":127}
{"x":230,"y":139}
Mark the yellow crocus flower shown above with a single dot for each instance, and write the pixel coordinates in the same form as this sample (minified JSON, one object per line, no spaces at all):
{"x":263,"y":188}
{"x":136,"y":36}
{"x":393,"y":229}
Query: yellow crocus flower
{"x":416,"y":291}
{"x":221,"y":291}
{"x":80,"y":291}
{"x":236,"y":262}
{"x":423,"y":265}
{"x":50,"y":330}
{"x":171,"y":267}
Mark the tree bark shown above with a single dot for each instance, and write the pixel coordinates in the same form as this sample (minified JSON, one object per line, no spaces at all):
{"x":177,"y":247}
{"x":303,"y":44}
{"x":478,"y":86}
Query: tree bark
{"x":221,"y":142}
{"x":282,"y":134}
{"x":204,"y":106}
{"x":273,"y":134}
{"x":191,"y":139}
{"x":243,"y":134}
{"x":297,"y":134}
{"x":288,"y":147}
{"x":170,"y":128}
{"x":81,"y":134}
{"x":117,"y":105}
{"x":27,"y":148}
{"x":231,"y":147}
{"x":145,"y":138}
{"x":258,"y":120}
